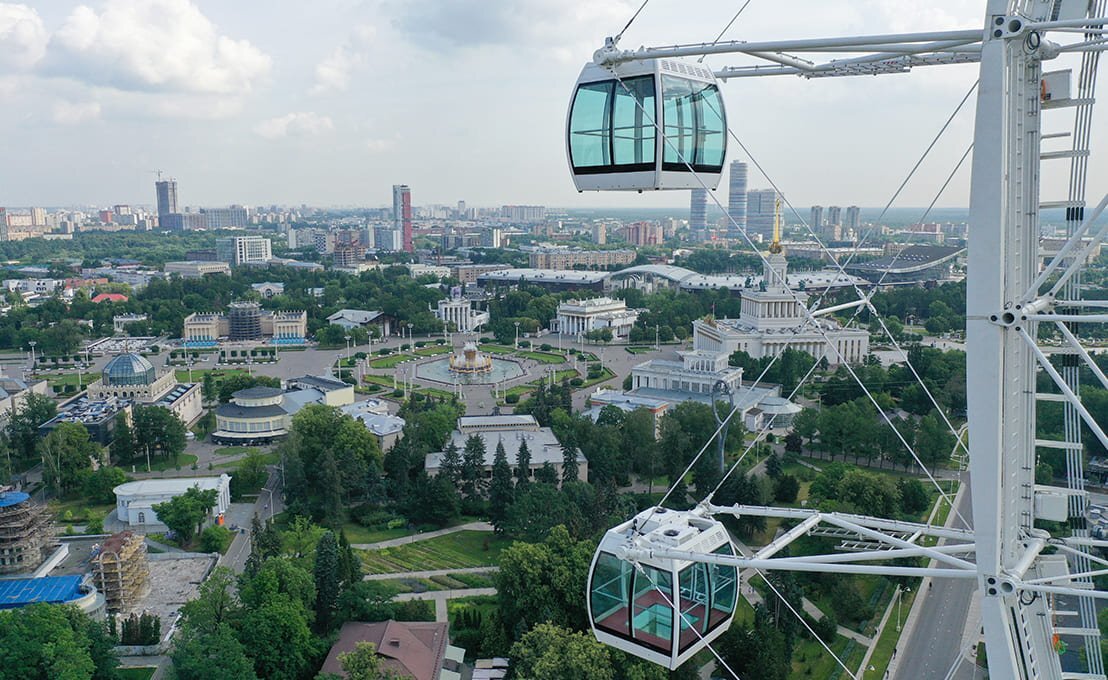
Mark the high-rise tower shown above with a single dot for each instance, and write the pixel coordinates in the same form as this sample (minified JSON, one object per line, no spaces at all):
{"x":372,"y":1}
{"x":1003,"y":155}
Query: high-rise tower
{"x":167,"y":196}
{"x":698,"y":214}
{"x":815,"y":222}
{"x":402,"y":214}
{"x":736,"y":200}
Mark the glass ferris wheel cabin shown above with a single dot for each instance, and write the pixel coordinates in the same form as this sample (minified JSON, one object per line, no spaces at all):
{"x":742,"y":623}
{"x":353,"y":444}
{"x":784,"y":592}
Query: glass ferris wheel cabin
{"x":662,"y":610}
{"x":612,"y":135}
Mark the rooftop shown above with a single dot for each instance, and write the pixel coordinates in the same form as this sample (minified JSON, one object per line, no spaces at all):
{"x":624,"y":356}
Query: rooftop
{"x":258,"y":393}
{"x":413,"y":649}
{"x":177,"y":485}
{"x":319,"y":382}
{"x":10,"y":498}
{"x":51,"y":589}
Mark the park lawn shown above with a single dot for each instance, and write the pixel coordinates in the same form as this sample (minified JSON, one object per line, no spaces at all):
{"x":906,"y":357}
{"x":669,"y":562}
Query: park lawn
{"x":459,"y":550}
{"x":269,"y":458}
{"x":235,"y":450}
{"x":811,"y":660}
{"x":890,"y":637}
{"x":389,"y":361}
{"x":543,"y":357}
{"x":66,"y":379}
{"x":183,"y":461}
{"x":496,"y":349}
{"x":432,"y":351}
{"x":356,"y":533}
{"x":382,"y":380}
{"x":605,"y":374}
{"x":78,"y":509}
{"x":638,"y":350}
{"x":218,"y":374}
{"x":136,"y":672}
{"x":434,"y":392}
{"x":440,"y":583}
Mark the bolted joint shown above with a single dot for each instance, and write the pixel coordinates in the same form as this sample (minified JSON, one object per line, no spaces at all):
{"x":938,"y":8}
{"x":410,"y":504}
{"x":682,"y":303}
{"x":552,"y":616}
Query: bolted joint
{"x":997,"y":586}
{"x":1005,"y":27}
{"x":1006,"y":318}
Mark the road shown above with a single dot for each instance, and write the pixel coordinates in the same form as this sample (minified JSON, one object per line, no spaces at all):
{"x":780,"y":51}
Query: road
{"x":269,"y":503}
{"x":934,"y":643}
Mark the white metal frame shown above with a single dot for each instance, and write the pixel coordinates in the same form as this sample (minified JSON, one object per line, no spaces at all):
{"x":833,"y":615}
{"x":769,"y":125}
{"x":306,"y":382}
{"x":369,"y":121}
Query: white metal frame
{"x":1005,"y":307}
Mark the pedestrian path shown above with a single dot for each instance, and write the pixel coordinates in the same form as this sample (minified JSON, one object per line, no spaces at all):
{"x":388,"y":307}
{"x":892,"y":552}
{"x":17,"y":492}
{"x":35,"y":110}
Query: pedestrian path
{"x":440,"y":598}
{"x":429,"y":574}
{"x":416,"y":538}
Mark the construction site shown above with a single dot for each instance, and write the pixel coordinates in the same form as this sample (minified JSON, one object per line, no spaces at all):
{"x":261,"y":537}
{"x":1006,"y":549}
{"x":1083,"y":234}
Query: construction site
{"x":26,"y":533}
{"x":122,"y":572}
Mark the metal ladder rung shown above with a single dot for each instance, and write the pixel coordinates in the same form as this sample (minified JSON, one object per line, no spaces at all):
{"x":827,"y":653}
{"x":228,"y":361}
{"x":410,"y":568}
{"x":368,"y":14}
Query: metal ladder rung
{"x":1082,"y":676}
{"x":1066,"y":103}
{"x":1050,"y":205}
{"x":1052,"y":155}
{"x":1056,"y":135}
{"x":1083,"y":632}
{"x":1047,"y":396}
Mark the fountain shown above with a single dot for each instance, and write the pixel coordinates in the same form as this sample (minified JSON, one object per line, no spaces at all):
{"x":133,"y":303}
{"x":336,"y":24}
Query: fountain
{"x":470,"y":361}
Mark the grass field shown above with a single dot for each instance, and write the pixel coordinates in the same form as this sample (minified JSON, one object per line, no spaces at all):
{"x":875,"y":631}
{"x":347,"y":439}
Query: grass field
{"x":270,"y":458}
{"x":235,"y":450}
{"x":77,"y":508}
{"x":543,"y":357}
{"x":639,"y":350}
{"x":460,"y":550}
{"x":811,"y":660}
{"x":184,"y":461}
{"x":389,"y":361}
{"x":496,"y":349}
{"x":439,"y":583}
{"x":606,"y":374}
{"x":382,"y":380}
{"x":883,"y":650}
{"x":71,"y":379}
{"x":356,"y":533}
{"x":432,"y":351}
{"x":136,"y":672}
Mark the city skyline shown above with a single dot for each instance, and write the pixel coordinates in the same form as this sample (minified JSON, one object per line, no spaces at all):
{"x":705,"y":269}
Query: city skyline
{"x":102,"y":95}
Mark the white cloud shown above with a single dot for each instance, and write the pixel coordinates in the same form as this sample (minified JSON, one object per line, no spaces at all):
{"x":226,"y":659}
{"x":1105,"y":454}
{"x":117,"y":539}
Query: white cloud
{"x":333,"y":73}
{"x":23,"y":37}
{"x":154,"y":45}
{"x":379,"y":145}
{"x":71,"y":113}
{"x":297,"y":124}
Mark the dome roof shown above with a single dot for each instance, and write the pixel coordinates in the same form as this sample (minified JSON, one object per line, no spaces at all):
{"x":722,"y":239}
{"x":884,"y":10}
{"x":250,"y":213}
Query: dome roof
{"x":128,"y":369}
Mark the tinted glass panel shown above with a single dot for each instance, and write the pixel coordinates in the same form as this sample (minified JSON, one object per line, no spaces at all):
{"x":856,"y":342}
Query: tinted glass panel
{"x":725,"y":590}
{"x":633,"y":131}
{"x":590,"y":125}
{"x":693,"y":120}
{"x":694,"y":604}
{"x":651,"y":612}
{"x":611,"y":589}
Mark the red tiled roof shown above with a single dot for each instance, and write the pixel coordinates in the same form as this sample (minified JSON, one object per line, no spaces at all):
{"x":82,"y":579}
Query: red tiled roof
{"x":415,"y":649}
{"x":110,"y":297}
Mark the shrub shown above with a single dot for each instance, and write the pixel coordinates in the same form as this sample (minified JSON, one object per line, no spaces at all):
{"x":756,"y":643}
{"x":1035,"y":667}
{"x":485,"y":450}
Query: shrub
{"x":421,"y":344}
{"x":524,"y":343}
{"x":398,"y":394}
{"x":545,"y":347}
{"x":577,"y":382}
{"x":141,"y":630}
{"x":215,"y":539}
{"x":512,"y":398}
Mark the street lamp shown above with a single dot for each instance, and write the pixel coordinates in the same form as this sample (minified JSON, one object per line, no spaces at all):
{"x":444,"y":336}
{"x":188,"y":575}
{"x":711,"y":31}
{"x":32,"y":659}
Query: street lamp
{"x":517,"y":335}
{"x":32,"y":343}
{"x":411,"y":345}
{"x":656,"y":345}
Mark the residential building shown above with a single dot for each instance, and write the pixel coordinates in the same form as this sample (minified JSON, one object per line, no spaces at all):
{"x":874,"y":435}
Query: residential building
{"x":459,"y":313}
{"x":698,"y":214}
{"x":736,"y":200}
{"x":511,"y":430}
{"x":235,"y":217}
{"x":239,"y":250}
{"x":525,"y":214}
{"x":599,"y":233}
{"x":468,"y":273}
{"x":135,"y":501}
{"x":834,"y":216}
{"x":578,"y":317}
{"x":194,"y":269}
{"x":853,"y":218}
{"x":566,"y":258}
{"x":348,"y":256}
{"x":132,"y":377}
{"x":388,"y":239}
{"x":416,"y":650}
{"x":402,"y":215}
{"x":761,"y":205}
{"x":815,"y":220}
{"x":644,"y":234}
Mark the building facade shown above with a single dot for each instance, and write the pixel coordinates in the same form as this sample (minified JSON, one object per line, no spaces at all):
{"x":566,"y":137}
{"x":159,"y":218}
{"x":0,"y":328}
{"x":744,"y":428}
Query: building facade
{"x":239,"y":250}
{"x":698,"y":213}
{"x":736,"y":199}
{"x":761,"y":205}
{"x":132,"y":377}
{"x":578,"y":317}
{"x":192,"y":269}
{"x":166,"y":191}
{"x":461,"y":314}
{"x":402,"y":214}
{"x":134,"y":501}
{"x":565,"y":258}
{"x":245,"y":321}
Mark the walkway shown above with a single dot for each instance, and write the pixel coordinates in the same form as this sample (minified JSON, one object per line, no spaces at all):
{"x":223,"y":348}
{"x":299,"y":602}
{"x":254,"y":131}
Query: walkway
{"x":415,"y":538}
{"x":430,"y":573}
{"x":440,"y":597}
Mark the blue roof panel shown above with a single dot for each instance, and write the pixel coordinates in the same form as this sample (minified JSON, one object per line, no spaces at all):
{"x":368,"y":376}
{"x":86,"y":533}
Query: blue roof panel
{"x":52,"y":589}
{"x":10,"y":498}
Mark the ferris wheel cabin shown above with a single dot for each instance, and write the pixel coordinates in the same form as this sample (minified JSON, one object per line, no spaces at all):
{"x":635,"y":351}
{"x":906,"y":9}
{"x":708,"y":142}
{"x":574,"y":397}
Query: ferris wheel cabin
{"x":662,"y":610}
{"x":613,"y":141}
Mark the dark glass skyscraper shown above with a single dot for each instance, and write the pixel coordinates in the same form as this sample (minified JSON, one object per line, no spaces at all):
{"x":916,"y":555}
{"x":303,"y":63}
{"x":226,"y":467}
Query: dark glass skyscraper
{"x":167,"y":196}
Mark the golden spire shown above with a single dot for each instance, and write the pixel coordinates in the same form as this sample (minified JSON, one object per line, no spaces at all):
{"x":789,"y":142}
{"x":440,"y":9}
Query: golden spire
{"x":775,"y":246}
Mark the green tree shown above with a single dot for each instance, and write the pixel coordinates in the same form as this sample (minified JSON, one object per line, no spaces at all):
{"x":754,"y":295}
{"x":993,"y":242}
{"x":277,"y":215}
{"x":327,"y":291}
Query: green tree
{"x":186,"y":514}
{"x":216,"y":655}
{"x":158,"y":432}
{"x":98,"y":485}
{"x":806,"y":424}
{"x":550,"y":652}
{"x":451,"y":467}
{"x":756,"y":651}
{"x":934,"y":441}
{"x":364,"y":664}
{"x":327,"y":580}
{"x":473,"y":467}
{"x":523,"y":464}
{"x":122,"y":448}
{"x":501,"y":490}
{"x":870,"y":494}
{"x":250,"y":475}
{"x":215,"y":539}
{"x":786,"y":488}
{"x":277,"y":637}
{"x":215,"y":606}
{"x":434,"y":500}
{"x":913,"y":495}
{"x":540,"y":582}
{"x":569,"y":463}
{"x":50,"y":642}
{"x":67,"y":454}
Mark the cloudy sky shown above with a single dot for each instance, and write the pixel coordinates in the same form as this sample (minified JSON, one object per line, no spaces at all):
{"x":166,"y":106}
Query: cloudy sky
{"x":330,"y":102}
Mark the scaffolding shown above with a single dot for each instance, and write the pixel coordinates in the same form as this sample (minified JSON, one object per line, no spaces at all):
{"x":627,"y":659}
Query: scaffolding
{"x":121,"y":571}
{"x":26,"y":533}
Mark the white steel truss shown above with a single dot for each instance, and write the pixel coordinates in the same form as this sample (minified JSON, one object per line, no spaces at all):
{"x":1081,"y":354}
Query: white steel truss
{"x":1005,"y":306}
